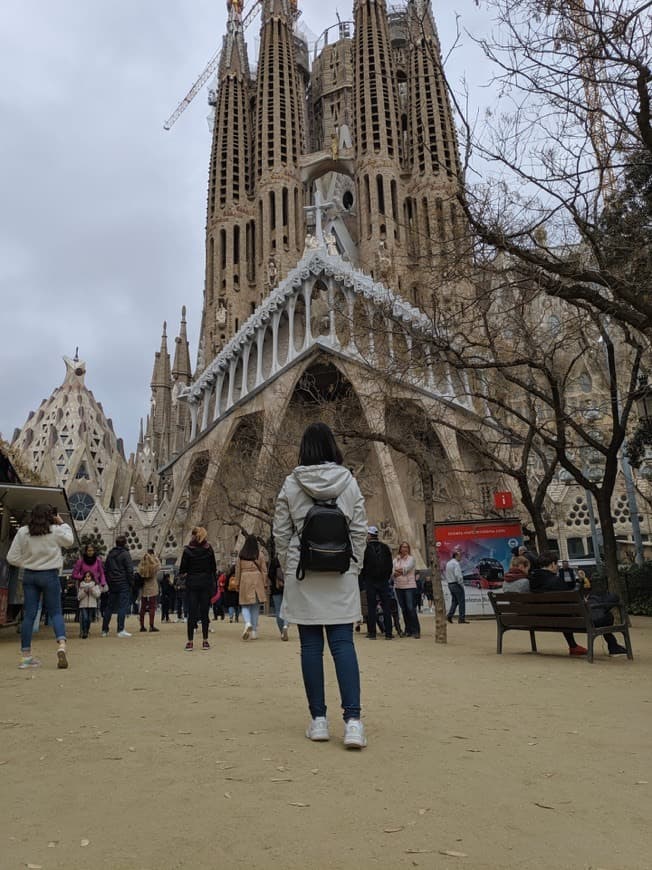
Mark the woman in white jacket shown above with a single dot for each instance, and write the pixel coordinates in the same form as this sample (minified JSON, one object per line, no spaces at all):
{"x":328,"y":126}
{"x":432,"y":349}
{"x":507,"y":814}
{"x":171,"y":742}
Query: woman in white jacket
{"x":321,"y":601}
{"x":37,"y":550}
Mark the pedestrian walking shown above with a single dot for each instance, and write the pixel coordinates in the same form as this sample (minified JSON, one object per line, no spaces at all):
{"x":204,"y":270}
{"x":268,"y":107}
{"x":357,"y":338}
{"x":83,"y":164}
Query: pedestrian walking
{"x":88,"y":594}
{"x":231,"y":595}
{"x":200,"y":571}
{"x":251,"y":576}
{"x":37,"y":549}
{"x":323,"y":601}
{"x":148,"y":569}
{"x":119,"y":572}
{"x":375,"y":574}
{"x":276,"y":584}
{"x":405,"y":586}
{"x":455,"y":580}
{"x":166,"y":586}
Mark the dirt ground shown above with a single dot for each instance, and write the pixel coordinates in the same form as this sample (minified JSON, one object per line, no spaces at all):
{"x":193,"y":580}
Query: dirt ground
{"x":144,"y":757}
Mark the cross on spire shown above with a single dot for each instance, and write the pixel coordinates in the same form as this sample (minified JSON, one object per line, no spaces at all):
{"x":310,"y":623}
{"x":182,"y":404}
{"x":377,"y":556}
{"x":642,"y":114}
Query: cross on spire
{"x":319,"y":207}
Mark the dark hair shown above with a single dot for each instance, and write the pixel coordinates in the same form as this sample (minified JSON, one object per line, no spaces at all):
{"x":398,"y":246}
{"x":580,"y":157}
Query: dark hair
{"x":41,"y":519}
{"x":548,"y":557}
{"x":319,"y":445}
{"x":250,"y":549}
{"x":121,"y":541}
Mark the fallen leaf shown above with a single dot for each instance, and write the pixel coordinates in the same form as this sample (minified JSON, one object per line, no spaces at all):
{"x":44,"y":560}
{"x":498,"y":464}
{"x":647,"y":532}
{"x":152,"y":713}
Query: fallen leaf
{"x":418,"y":851}
{"x":641,"y":782}
{"x":281,"y":768}
{"x":422,"y":812}
{"x":34,"y":867}
{"x":3,"y":762}
{"x":532,"y":744}
{"x":474,"y":750}
{"x":297,"y":804}
{"x":113,"y":758}
{"x":393,"y":830}
{"x":543,"y":806}
{"x":452,"y":854}
{"x":85,"y":843}
{"x":184,"y":732}
{"x":52,"y":844}
{"x":132,"y":749}
{"x":315,"y":770}
{"x":59,"y":739}
{"x":281,"y":779}
{"x":460,"y":737}
{"x":227,"y":795}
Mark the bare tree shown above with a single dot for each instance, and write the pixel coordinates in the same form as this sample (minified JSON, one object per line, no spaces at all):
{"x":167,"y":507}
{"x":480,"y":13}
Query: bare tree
{"x":572,"y":118}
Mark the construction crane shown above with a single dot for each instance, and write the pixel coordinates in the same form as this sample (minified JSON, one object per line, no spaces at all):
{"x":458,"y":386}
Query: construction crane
{"x":249,"y":14}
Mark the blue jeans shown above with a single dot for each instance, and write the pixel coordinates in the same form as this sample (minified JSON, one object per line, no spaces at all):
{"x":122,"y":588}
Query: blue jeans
{"x":340,"y":643}
{"x":251,"y":614}
{"x":277,"y":599}
{"x":35,"y":583}
{"x":85,"y":619}
{"x":120,"y":600}
{"x":457,"y":599}
{"x":407,"y":599}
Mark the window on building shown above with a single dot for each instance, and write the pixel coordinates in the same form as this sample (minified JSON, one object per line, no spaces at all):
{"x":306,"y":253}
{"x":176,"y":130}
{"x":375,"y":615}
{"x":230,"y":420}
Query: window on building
{"x":575,"y":548}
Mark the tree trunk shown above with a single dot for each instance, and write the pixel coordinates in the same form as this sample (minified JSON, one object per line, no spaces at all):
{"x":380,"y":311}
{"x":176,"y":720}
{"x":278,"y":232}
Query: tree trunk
{"x":433,"y":561}
{"x":534,"y":511}
{"x":603,"y":502}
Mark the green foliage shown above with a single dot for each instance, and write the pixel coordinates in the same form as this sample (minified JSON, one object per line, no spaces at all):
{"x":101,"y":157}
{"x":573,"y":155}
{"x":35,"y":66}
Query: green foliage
{"x":637,"y":443}
{"x":637,"y":581}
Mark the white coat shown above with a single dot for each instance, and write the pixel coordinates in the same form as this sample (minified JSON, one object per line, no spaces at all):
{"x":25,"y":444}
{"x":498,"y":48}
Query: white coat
{"x":321,"y":598}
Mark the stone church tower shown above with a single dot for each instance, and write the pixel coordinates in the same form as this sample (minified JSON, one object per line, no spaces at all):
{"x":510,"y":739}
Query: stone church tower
{"x":330,"y":208}
{"x":367,"y":127}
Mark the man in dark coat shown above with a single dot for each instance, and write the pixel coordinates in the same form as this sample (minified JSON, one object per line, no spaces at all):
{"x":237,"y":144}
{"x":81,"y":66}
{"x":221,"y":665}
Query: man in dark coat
{"x":377,"y":567}
{"x":119,"y":572}
{"x":546,"y":579}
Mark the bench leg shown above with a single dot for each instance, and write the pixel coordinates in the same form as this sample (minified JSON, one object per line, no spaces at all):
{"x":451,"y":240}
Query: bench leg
{"x":628,"y":645}
{"x":589,"y":643}
{"x":533,"y":641}
{"x":499,"y":641}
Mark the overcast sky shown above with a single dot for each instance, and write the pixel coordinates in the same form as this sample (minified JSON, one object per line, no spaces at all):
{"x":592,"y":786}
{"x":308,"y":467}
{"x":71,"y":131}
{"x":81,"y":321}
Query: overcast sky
{"x":102,"y":212}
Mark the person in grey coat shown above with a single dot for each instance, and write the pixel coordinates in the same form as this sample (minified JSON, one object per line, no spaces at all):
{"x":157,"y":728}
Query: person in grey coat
{"x":323,"y":601}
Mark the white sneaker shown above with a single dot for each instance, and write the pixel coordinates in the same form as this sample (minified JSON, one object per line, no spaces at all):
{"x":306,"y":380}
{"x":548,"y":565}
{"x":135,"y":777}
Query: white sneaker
{"x":124,"y":633}
{"x":354,"y":734}
{"x":318,"y":729}
{"x":254,"y":635}
{"x":247,"y":631}
{"x":105,"y":634}
{"x":284,"y":633}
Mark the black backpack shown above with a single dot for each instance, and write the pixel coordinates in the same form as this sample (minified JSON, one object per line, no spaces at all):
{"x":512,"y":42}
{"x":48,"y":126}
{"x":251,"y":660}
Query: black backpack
{"x":325,"y":543}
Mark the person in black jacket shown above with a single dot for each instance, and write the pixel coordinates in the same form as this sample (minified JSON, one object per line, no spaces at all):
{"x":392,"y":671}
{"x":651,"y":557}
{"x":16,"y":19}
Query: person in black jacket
{"x":377,"y":567}
{"x":546,"y":579}
{"x":200,"y":569}
{"x":119,"y":573}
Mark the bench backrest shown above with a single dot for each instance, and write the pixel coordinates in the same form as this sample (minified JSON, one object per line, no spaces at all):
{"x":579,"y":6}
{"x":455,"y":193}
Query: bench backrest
{"x":566,"y":611}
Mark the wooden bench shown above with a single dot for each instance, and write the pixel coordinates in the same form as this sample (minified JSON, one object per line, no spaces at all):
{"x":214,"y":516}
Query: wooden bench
{"x":552,"y":611}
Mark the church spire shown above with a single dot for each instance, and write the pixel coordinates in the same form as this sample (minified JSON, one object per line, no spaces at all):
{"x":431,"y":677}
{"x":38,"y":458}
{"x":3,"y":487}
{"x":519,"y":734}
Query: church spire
{"x":181,"y":370}
{"x":161,"y":398}
{"x":280,"y":131}
{"x":377,"y":137}
{"x":230,"y":284}
{"x":435,"y":228}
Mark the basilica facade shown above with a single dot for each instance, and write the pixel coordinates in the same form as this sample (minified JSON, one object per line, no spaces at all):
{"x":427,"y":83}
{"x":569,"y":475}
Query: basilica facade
{"x":334,"y":247}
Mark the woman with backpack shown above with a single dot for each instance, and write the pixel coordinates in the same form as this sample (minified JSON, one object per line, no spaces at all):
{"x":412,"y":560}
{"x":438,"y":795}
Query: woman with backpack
{"x":251,"y":577}
{"x":200,"y":571}
{"x":316,"y":500}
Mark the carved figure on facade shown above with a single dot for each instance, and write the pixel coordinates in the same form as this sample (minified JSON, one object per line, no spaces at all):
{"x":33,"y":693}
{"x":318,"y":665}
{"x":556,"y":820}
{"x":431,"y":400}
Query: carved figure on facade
{"x":272,"y":272}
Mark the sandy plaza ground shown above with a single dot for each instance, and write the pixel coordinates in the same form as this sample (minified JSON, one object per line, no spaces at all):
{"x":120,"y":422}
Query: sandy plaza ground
{"x":144,"y":757}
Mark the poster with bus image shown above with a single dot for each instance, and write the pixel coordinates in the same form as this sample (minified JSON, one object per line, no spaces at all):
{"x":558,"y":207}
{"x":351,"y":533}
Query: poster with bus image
{"x":486,"y":547}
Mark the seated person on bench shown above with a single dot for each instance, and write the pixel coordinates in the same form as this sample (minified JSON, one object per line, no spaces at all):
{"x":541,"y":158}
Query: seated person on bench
{"x":545,"y":578}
